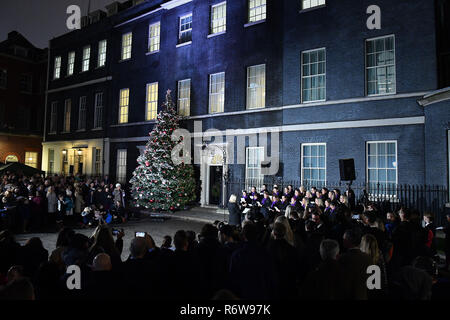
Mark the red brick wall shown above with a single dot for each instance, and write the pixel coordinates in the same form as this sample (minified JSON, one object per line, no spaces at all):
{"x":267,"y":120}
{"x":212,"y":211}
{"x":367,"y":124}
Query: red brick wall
{"x":18,"y":145}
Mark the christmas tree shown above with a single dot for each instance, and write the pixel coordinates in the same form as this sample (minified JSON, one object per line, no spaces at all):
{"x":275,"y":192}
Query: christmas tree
{"x":158,"y":183}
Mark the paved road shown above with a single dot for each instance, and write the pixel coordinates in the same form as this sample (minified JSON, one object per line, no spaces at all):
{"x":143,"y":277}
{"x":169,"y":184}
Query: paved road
{"x":157,"y":229}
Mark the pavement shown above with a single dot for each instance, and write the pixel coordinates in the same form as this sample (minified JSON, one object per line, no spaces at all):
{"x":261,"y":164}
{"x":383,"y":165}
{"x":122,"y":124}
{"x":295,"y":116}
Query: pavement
{"x":157,"y":225}
{"x":198,"y":214}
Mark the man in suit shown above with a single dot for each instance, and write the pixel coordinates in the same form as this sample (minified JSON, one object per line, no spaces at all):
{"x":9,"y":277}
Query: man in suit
{"x":354,"y":263}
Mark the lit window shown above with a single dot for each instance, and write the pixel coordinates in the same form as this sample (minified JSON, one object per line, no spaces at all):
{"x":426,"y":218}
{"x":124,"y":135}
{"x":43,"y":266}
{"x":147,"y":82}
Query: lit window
{"x":67,"y":107}
{"x":307,"y":4}
{"x":57,"y":70}
{"x":256,"y":10}
{"x":123,"y":105}
{"x":219,"y":18}
{"x":380,"y":66}
{"x":70,"y":63}
{"x":127,"y":40}
{"x":382,"y":167}
{"x":31,"y":159}
{"x":152,"y":101}
{"x":184,"y":97}
{"x":216,"y":92}
{"x":154,"y":37}
{"x":102,"y":53}
{"x":256,"y":86}
{"x":185,"y":33}
{"x":86,"y":58}
{"x":313,"y":75}
{"x":314,"y":166}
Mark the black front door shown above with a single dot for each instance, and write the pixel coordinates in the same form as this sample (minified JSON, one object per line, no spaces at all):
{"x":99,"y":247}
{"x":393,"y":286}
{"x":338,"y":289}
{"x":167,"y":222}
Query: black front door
{"x":215,"y":184}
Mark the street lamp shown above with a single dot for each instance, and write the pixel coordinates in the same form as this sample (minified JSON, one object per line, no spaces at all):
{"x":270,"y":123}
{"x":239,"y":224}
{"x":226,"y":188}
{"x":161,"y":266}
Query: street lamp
{"x":224,"y":172}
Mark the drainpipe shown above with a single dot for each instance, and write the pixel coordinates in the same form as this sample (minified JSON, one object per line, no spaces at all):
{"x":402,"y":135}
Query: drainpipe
{"x":46,"y":101}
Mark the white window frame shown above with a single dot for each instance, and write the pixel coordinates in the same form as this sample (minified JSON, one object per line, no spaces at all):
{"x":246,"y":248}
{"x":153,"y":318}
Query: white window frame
{"x":311,"y":4}
{"x":216,"y":94}
{"x":67,"y":115}
{"x":313,"y":76}
{"x":302,"y":156}
{"x":184,"y":97}
{"x":97,"y":161}
{"x":70,"y":63}
{"x":254,"y":180}
{"x":102,"y":49}
{"x":366,"y":71}
{"x":151,"y":106}
{"x":98,"y":110}
{"x":121,"y":173}
{"x":257,"y":17}
{"x":34,"y":159}
{"x":125,"y":107}
{"x":126,"y":47}
{"x":53,"y":117}
{"x":4,"y":78}
{"x":51,"y":161}
{"x":82,"y":113}
{"x":250,"y":103}
{"x":368,"y":182}
{"x":180,"y":33}
{"x":57,"y":68}
{"x":154,"y":37}
{"x":221,"y":28}
{"x":86,"y":59}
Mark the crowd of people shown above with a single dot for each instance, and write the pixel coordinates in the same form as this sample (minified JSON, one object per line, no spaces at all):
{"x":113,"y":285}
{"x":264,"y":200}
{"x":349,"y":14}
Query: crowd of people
{"x":291,"y":245}
{"x":29,"y":204}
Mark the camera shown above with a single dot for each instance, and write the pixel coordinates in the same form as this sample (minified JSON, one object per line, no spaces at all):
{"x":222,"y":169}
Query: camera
{"x":140,"y":234}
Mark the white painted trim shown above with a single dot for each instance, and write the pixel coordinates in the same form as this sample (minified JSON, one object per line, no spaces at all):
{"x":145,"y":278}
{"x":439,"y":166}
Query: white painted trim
{"x":212,"y":35}
{"x":183,"y":44}
{"x":254,"y":23}
{"x":313,"y":104}
{"x":138,"y":17}
{"x":435,"y":97}
{"x":303,"y":127}
{"x":173,"y":4}
{"x":104,"y":79}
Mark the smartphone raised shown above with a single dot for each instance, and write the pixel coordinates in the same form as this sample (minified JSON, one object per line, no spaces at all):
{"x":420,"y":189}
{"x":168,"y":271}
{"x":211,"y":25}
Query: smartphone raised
{"x":140,"y":234}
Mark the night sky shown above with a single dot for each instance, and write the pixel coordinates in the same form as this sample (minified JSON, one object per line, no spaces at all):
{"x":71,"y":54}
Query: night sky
{"x":40,"y":20}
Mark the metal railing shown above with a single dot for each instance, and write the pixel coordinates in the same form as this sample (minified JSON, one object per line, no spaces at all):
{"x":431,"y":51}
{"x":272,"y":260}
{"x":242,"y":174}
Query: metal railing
{"x":388,"y":197}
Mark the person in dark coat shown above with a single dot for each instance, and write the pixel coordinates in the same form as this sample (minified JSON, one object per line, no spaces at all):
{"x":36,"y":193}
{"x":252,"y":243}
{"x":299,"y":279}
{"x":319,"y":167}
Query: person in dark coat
{"x":325,"y":282}
{"x":286,"y":262}
{"x":234,"y":212}
{"x":251,"y":270}
{"x":213,"y":261}
{"x":354,"y":263}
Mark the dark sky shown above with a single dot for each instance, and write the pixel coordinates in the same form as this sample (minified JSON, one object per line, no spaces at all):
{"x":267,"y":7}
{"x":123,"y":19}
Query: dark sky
{"x":40,"y":20}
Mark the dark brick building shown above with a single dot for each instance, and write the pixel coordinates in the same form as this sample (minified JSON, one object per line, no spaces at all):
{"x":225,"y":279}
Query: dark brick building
{"x":308,"y":73}
{"x":23,"y":72}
